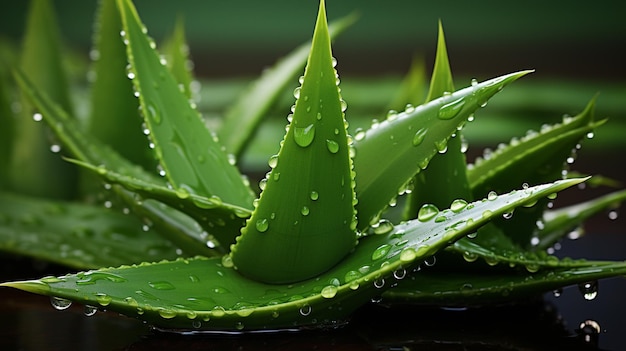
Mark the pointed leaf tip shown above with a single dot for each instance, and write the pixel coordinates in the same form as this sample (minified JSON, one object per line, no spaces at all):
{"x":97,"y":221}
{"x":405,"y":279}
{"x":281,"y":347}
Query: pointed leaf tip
{"x":305,"y":219}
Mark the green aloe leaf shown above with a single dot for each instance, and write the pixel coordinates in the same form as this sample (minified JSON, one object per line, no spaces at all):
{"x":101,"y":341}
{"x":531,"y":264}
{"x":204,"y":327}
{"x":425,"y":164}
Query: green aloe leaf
{"x":390,"y":153}
{"x":467,"y":289}
{"x":33,"y":168}
{"x":305,"y":222}
{"x":110,"y":80}
{"x":92,"y":152}
{"x":223,"y":221}
{"x":536,"y":158}
{"x":176,"y":52}
{"x":189,"y":154}
{"x":445,"y":178}
{"x":243,"y":117}
{"x":209,"y":294}
{"x":76,"y":235}
{"x":558,"y":223}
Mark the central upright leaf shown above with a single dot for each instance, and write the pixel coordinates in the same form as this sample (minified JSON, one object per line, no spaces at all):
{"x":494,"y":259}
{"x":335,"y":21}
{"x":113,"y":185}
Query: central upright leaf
{"x":304,"y":222}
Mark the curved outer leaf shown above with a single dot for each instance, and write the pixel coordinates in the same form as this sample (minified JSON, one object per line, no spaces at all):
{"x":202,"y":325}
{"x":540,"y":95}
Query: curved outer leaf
{"x":223,"y":221}
{"x":466,"y":289}
{"x":534,"y":159}
{"x":203,"y":294}
{"x":76,"y":235}
{"x":243,"y":117}
{"x":305,"y":221}
{"x":559,"y":222}
{"x":189,"y":154}
{"x":389,"y":154}
{"x":538,"y":155}
{"x":114,"y":116}
{"x":34,"y":170}
{"x":91,"y":151}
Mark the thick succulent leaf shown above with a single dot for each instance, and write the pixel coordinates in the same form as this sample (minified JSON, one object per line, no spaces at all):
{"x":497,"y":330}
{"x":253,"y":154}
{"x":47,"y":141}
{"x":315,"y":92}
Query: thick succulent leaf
{"x":305,"y":222}
{"x":534,"y":159}
{"x":538,"y":155}
{"x":76,"y":235}
{"x":208,"y":294}
{"x":34,"y":169}
{"x":466,"y":289}
{"x":243,"y":117}
{"x":560,"y":222}
{"x":445,"y":178}
{"x":189,"y":154}
{"x":176,"y":52}
{"x":390,"y":153}
{"x":91,"y":151}
{"x":222,"y":221}
{"x":499,"y":250}
{"x":114,"y":118}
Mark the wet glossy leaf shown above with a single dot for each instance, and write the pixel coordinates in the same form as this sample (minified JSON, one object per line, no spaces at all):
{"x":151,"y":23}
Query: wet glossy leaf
{"x":478,"y":289}
{"x":390,"y":153}
{"x":244,"y":116}
{"x":77,"y":235}
{"x":305,"y":222}
{"x":91,"y":151}
{"x":445,"y":178}
{"x":536,"y":158}
{"x":112,"y":102}
{"x":189,"y":154}
{"x":209,"y":294}
{"x":557,"y":223}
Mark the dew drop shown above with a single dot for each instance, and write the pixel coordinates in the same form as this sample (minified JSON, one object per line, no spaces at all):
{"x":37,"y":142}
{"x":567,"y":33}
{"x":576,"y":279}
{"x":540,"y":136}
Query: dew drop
{"x":359,"y":134}
{"x":305,"y":211}
{"x":262,"y":225}
{"x":304,"y":136}
{"x":492,"y":195}
{"x":379,"y":283}
{"x":305,"y":310}
{"x":419,"y":136}
{"x":273,"y":161}
{"x":381,"y":252}
{"x":154,"y":113}
{"x":60,"y":303}
{"x":296,"y":92}
{"x":458,"y":205}
{"x":161,"y":285}
{"x":451,"y":109}
{"x":427,"y":212}
{"x":332,"y":146}
{"x":314,"y":195}
{"x":383,"y":227}
{"x":37,"y":117}
{"x":589,"y":330}
{"x":90,"y":310}
{"x":469,"y":256}
{"x":329,"y":291}
{"x":408,"y":254}
{"x":103,"y":299}
{"x":589,"y":290}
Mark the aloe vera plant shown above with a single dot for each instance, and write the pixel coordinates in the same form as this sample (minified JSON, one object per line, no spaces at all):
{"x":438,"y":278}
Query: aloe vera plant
{"x":204,"y":251}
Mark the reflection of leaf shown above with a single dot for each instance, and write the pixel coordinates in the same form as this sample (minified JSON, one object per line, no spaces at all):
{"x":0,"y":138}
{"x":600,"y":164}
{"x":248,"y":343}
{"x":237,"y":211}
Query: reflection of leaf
{"x":206,"y":293}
